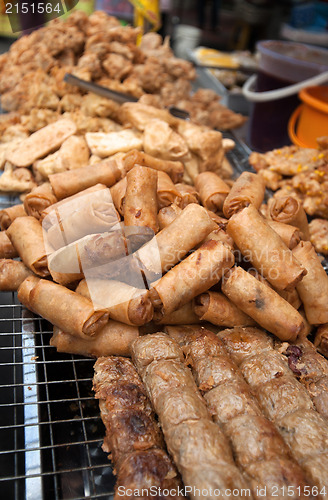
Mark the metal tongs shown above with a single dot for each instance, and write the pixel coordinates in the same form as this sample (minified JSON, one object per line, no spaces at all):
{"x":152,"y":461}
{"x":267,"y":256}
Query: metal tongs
{"x":116,"y":96}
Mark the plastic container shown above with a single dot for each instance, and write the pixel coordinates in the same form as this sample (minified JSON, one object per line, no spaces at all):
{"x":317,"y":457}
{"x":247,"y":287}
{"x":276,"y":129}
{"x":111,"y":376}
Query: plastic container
{"x":186,"y":39}
{"x":281,"y":64}
{"x":310,"y":119}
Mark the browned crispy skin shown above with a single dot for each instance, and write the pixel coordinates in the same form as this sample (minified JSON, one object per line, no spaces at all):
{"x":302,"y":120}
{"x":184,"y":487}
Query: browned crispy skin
{"x":8,"y":215}
{"x":7,"y":249}
{"x":249,"y":188}
{"x":12,"y":274}
{"x":174,"y":169}
{"x":39,"y":199}
{"x":321,"y":339}
{"x":133,"y":436}
{"x":290,"y":211}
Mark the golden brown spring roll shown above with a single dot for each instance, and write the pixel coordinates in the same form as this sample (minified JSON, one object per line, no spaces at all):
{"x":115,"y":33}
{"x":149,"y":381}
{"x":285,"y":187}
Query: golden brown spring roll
{"x":290,"y":235}
{"x":12,"y":274}
{"x":114,"y":339}
{"x":70,"y":182}
{"x":174,"y":169}
{"x":219,"y":234}
{"x":263,"y":304}
{"x":212,"y":190}
{"x":289,"y":210}
{"x":167,"y":193}
{"x":26,"y":235}
{"x":140,"y":204}
{"x":118,"y":194}
{"x":39,"y":199}
{"x":265,"y":249}
{"x":313,"y":289}
{"x":188,"y":194}
{"x":183,"y":316}
{"x":7,"y":250}
{"x":248,"y":188}
{"x":191,"y":277}
{"x":218,"y":310}
{"x":290,"y":295}
{"x":8,"y":215}
{"x":64,"y":308}
{"x":124,"y":303}
{"x":321,"y":339}
{"x":167,"y":215}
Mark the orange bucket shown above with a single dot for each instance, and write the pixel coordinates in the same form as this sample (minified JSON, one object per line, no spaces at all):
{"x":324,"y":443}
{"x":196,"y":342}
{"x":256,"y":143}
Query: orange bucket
{"x":310,"y":119}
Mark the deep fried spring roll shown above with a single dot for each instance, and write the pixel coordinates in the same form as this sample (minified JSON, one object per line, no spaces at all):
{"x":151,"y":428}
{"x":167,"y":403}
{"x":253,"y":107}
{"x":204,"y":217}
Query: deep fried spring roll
{"x":174,"y":169}
{"x":263,"y":304}
{"x":219,"y":234}
{"x":26,"y":235}
{"x":289,"y":210}
{"x":313,"y":289}
{"x":191,"y":277}
{"x":8,"y":215}
{"x":68,"y":310}
{"x":39,"y":199}
{"x":290,"y":295}
{"x":212,"y":190}
{"x":12,"y":274}
{"x":70,"y":182}
{"x":187,"y":230}
{"x":217,"y":309}
{"x":167,"y":193}
{"x":114,"y":339}
{"x":321,"y":339}
{"x":290,"y":235}
{"x":140,"y":203}
{"x":7,"y":250}
{"x":118,"y":194}
{"x":183,"y":316}
{"x":188,"y":194}
{"x":265,"y":249}
{"x":248,"y":189}
{"x":167,"y":215}
{"x":124,"y":303}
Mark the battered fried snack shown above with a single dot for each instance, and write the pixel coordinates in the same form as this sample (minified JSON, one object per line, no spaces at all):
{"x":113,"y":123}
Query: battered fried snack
{"x":184,"y":316}
{"x":7,"y":250}
{"x":65,"y":309}
{"x":263,"y":304}
{"x":217,"y":309}
{"x":25,"y":233}
{"x":248,"y":189}
{"x":167,"y":215}
{"x":132,"y":434}
{"x":290,"y":211}
{"x":140,"y":202}
{"x":220,"y":234}
{"x":212,"y":190}
{"x":12,"y":274}
{"x":114,"y":339}
{"x":313,"y":289}
{"x":39,"y":199}
{"x":167,"y":193}
{"x":174,"y":169}
{"x":290,"y":235}
{"x":8,"y":215}
{"x":104,"y":145}
{"x":319,"y":235}
{"x":188,"y":194}
{"x":321,"y":339}
{"x":117,"y":192}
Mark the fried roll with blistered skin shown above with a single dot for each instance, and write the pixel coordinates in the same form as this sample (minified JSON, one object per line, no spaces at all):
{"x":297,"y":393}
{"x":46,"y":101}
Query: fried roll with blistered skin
{"x":7,"y":250}
{"x":265,"y":249}
{"x":68,"y":310}
{"x":217,"y":309}
{"x":174,"y":169}
{"x":248,"y":189}
{"x":219,"y":234}
{"x":8,"y":215}
{"x":321,"y":339}
{"x":167,"y":215}
{"x":289,"y":210}
{"x":39,"y":199}
{"x":263,"y":304}
{"x":167,"y":192}
{"x":12,"y":274}
{"x":212,"y":190}
{"x":70,"y":182}
{"x":188,"y":194}
{"x":114,"y":339}
{"x":290,"y":235}
{"x":183,"y":316}
{"x":118,"y":194}
{"x":191,"y":277}
{"x":140,"y":203}
{"x":25,"y":233}
{"x":313,"y":289}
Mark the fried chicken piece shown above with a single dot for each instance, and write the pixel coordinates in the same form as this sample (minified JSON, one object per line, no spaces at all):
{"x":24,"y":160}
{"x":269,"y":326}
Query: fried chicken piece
{"x":18,"y":180}
{"x":173,"y":92}
{"x":319,"y":235}
{"x":14,"y":133}
{"x":99,"y":21}
{"x":179,"y":68}
{"x":90,"y":62}
{"x":152,"y":45}
{"x":162,"y":142}
{"x":117,"y":66}
{"x":38,"y":118}
{"x":151,"y":75}
{"x":70,"y":102}
{"x":86,"y":124}
{"x":93,"y":105}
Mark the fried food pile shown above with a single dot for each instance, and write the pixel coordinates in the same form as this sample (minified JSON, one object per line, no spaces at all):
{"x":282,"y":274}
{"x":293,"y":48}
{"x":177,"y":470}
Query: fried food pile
{"x":97,"y":48}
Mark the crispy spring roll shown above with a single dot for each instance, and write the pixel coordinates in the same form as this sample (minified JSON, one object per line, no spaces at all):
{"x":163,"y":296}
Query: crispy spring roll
{"x":140,"y":204}
{"x":265,"y":249}
{"x":167,"y":193}
{"x":118,"y":194}
{"x":70,"y":182}
{"x":290,"y":295}
{"x":12,"y":274}
{"x":313,"y":289}
{"x":39,"y":199}
{"x":217,"y":309}
{"x":183,"y":316}
{"x":191,"y":277}
{"x":174,"y":169}
{"x":68,"y":310}
{"x":248,"y":188}
{"x":26,"y":235}
{"x":290,"y":235}
{"x":219,"y":234}
{"x":321,"y":339}
{"x":289,"y":210}
{"x":263,"y":304}
{"x":7,"y":250}
{"x":167,"y":215}
{"x":188,"y":194}
{"x":114,"y":339}
{"x":124,"y":303}
{"x":8,"y":215}
{"x":212,"y":190}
